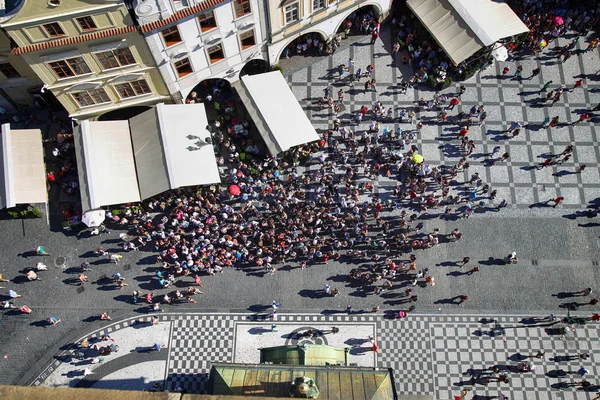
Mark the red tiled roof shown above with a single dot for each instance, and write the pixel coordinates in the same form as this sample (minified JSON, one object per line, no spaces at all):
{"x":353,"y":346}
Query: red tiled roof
{"x":74,"y":39}
{"x":198,"y":8}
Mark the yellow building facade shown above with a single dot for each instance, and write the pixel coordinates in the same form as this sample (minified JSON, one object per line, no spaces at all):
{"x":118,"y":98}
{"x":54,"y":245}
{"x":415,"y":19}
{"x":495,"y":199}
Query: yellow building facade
{"x":88,"y":53}
{"x":18,"y":82}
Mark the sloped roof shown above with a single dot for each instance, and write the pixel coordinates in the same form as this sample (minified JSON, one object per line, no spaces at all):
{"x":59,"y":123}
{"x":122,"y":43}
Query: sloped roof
{"x":463,"y":27}
{"x":263,"y":380}
{"x":278,"y":116}
{"x":51,"y":44}
{"x":22,"y":169}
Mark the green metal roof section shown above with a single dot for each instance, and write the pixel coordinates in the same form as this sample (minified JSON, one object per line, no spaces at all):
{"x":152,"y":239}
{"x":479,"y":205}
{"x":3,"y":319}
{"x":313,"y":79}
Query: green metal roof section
{"x":305,"y":354}
{"x":334,"y":382}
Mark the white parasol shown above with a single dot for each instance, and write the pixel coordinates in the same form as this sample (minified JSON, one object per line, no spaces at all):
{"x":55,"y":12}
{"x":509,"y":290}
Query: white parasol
{"x":500,"y":53}
{"x":93,"y":218}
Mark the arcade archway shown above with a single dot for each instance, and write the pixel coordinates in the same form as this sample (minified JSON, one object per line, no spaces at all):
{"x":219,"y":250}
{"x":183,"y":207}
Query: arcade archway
{"x":123,"y":113}
{"x":360,"y":21}
{"x":255,"y":67}
{"x":310,"y":44}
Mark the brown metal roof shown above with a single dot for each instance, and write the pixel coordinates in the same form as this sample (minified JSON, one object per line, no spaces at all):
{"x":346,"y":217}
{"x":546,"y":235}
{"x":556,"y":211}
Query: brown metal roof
{"x":51,"y":44}
{"x":198,"y":8}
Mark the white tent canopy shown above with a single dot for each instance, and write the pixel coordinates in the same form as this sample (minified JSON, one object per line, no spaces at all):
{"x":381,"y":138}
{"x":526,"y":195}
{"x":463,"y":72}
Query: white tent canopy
{"x":170,"y":147}
{"x":105,"y":164}
{"x":276,"y":112}
{"x":463,"y":27}
{"x":126,"y":161}
{"x":22,"y":170}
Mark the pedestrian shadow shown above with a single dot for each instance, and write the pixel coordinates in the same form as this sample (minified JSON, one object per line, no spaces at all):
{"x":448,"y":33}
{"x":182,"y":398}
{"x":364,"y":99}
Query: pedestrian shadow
{"x":492,"y":261}
{"x":313,"y":293}
{"x":258,"y":331}
{"x":88,"y":254}
{"x":331,"y":312}
{"x":448,"y":264}
{"x":28,"y":254}
{"x":556,"y":373}
{"x":40,"y":323}
{"x":459,"y":273}
{"x":529,"y":167}
{"x":565,"y":295}
{"x":397,"y":302}
{"x":562,"y":173}
{"x":359,"y":351}
{"x":517,"y":357}
{"x":452,"y":300}
{"x":572,"y":306}
{"x":541,"y":204}
{"x":72,"y":282}
{"x":20,"y":279}
{"x":355,"y":342}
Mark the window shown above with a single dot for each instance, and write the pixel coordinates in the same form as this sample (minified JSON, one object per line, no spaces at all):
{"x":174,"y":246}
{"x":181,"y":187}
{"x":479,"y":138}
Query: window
{"x":69,"y":67}
{"x":132,"y":89}
{"x":215,"y":53}
{"x":207,"y":21}
{"x":86,"y":23}
{"x":242,"y":7}
{"x":54,"y":29}
{"x":319,"y":4}
{"x":292,"y":13}
{"x":91,"y":97}
{"x":247,"y":39}
{"x":171,"y":36}
{"x":183,"y":67}
{"x":9,"y":71}
{"x":115,"y":58}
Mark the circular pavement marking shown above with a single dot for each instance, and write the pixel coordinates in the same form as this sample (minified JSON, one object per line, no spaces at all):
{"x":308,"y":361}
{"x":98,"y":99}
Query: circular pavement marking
{"x":60,"y":261}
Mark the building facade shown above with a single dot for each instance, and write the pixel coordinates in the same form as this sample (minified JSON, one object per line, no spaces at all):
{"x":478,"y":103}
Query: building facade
{"x":88,"y":53}
{"x":194,"y":40}
{"x":18,"y":82}
{"x":290,"y":19}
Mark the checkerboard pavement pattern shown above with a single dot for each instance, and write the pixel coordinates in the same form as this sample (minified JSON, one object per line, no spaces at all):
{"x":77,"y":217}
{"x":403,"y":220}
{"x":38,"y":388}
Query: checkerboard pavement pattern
{"x":196,"y":341}
{"x":430,"y":354}
{"x":517,"y":180}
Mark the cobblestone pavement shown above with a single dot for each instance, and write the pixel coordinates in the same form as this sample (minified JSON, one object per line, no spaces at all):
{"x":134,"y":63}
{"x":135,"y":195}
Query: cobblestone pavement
{"x":431,"y":354}
{"x":558,"y":248}
{"x":506,"y":100}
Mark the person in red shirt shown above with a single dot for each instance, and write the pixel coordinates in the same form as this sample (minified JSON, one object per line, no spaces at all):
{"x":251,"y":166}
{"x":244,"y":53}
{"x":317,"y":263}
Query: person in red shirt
{"x":454,"y":102}
{"x":557,"y":201}
{"x":582,"y":118}
{"x":578,"y":83}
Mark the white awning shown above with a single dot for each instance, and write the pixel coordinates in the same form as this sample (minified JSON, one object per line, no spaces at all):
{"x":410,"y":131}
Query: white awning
{"x":276,"y":112}
{"x":22,"y":170}
{"x":463,"y":27}
{"x":171,"y":150}
{"x":105,"y":164}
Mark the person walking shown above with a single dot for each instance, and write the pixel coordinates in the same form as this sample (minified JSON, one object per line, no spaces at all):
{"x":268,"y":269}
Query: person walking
{"x":557,"y":200}
{"x":546,"y":122}
{"x":578,"y":84}
{"x":535,"y":73}
{"x":553,"y":122}
{"x":505,"y":71}
{"x":580,"y":169}
{"x":518,"y":72}
{"x":582,"y":118}
{"x":453,"y":103}
{"x":545,"y":87}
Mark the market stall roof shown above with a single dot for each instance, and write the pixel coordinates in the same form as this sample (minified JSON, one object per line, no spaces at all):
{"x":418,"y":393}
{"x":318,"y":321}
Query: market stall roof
{"x":276,"y":112}
{"x":171,"y":148}
{"x":462,"y":27}
{"x":105,"y":164}
{"x":22,"y":170}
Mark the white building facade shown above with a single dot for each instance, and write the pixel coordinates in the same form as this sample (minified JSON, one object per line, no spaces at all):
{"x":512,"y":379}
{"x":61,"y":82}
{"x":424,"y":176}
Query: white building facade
{"x":195,"y":40}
